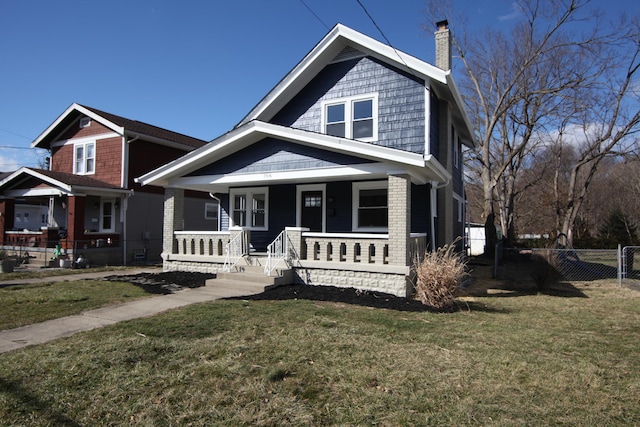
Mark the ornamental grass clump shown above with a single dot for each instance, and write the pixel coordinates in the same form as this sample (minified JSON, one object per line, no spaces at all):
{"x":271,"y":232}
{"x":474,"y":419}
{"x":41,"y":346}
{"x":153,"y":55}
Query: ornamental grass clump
{"x":438,"y":276}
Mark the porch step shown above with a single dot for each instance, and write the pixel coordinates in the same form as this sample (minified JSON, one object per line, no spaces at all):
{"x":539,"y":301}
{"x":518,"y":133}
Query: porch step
{"x":251,"y":279}
{"x":236,"y":287}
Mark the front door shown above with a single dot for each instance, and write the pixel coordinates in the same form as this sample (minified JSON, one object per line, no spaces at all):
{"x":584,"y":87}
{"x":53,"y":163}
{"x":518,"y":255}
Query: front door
{"x":311,"y":210}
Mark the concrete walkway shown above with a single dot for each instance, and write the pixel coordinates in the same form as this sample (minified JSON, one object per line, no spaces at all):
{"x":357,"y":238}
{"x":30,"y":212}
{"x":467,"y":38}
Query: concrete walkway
{"x":40,"y":333}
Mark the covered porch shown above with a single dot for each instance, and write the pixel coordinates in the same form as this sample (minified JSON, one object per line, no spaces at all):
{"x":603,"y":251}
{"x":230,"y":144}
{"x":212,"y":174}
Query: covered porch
{"x":336,"y":211}
{"x":327,"y":247}
{"x":41,"y":210}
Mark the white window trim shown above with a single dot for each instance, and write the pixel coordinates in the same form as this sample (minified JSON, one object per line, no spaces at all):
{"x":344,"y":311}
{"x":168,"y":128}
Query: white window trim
{"x":249,"y":192}
{"x":85,"y":122}
{"x":113,"y":215}
{"x":355,"y":198}
{"x":348,"y":114}
{"x":84,"y":146}
{"x":312,"y":187}
{"x":460,"y":203}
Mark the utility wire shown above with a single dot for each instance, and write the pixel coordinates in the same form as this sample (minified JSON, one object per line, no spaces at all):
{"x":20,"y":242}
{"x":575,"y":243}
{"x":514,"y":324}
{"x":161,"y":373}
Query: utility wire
{"x":374,"y":22}
{"x":385,"y":37}
{"x":16,"y":134}
{"x":314,"y":14}
{"x":16,"y":148}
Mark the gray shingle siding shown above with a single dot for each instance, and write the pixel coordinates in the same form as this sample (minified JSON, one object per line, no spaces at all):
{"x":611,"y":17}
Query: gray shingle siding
{"x":272,"y":155}
{"x":401,"y":104}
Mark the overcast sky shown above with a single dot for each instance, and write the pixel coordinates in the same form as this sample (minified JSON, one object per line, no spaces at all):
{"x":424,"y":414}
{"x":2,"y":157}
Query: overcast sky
{"x":195,"y":67}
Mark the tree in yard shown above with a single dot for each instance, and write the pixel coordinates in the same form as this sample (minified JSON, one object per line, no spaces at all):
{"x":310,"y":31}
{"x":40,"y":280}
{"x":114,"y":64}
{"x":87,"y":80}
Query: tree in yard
{"x":533,"y":90}
{"x":618,"y":230}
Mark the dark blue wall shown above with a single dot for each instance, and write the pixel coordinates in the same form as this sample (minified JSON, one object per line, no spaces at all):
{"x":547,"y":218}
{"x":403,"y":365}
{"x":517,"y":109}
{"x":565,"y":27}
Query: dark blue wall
{"x":420,"y":214}
{"x":339,"y":196}
{"x":434,"y":126}
{"x":457,"y":170}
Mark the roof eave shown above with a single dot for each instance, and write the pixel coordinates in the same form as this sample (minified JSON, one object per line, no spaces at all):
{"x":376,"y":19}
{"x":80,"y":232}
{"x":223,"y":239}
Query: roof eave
{"x":339,"y":37}
{"x":74,"y":107}
{"x":255,"y":131}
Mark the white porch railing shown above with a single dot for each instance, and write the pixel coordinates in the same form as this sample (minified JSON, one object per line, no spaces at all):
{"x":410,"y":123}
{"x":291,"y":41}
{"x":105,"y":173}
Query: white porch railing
{"x":347,"y":247}
{"x":276,"y":252}
{"x":204,"y":243}
{"x":235,"y":250}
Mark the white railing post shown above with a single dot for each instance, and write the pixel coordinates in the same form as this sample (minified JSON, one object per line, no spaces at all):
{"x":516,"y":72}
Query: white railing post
{"x":276,"y":252}
{"x":235,"y":250}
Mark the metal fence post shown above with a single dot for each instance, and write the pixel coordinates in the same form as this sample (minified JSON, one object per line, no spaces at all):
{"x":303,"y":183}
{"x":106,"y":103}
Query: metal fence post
{"x":619,"y":265}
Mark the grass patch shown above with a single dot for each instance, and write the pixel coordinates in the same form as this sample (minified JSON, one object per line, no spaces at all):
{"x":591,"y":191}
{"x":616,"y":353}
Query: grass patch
{"x":32,"y":303}
{"x":47,"y":272}
{"x":511,"y":360}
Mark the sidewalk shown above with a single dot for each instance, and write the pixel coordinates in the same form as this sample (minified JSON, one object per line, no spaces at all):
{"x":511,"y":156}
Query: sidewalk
{"x":40,"y":333}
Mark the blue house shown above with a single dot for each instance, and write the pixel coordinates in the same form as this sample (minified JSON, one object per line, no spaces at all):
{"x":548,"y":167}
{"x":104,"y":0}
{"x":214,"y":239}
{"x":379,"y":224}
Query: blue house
{"x":343,"y":174}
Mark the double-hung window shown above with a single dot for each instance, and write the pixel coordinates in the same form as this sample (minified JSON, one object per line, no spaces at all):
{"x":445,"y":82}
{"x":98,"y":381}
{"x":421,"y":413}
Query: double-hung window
{"x":353,"y":118}
{"x":370,"y":206}
{"x":84,"y":158}
{"x":249,"y":208}
{"x":107,"y":216}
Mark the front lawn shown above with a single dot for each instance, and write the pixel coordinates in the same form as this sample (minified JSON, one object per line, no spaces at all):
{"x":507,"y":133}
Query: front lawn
{"x":32,"y":303}
{"x":514,"y":358}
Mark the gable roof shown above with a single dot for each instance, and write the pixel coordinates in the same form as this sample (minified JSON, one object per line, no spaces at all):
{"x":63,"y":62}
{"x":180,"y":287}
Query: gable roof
{"x":118,"y":124}
{"x":341,"y":37}
{"x":55,"y":183}
{"x":421,"y":168}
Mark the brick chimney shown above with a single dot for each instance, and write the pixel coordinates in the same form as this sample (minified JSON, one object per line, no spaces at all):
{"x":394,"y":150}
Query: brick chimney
{"x":443,"y":45}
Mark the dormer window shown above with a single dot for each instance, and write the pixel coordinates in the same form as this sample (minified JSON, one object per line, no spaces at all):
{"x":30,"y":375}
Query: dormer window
{"x":84,"y":158}
{"x":353,"y":118}
{"x":85,"y":122}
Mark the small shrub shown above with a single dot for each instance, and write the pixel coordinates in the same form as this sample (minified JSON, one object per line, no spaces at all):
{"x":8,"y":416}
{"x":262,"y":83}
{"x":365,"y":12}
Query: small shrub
{"x":438,"y":276}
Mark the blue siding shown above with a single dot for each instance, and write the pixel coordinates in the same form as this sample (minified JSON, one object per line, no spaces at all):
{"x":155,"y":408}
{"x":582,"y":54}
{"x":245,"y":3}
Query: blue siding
{"x":282,"y":213}
{"x":401,"y":102}
{"x":457,"y":170}
{"x":434,"y":126}
{"x":224,"y":211}
{"x":271,"y":155}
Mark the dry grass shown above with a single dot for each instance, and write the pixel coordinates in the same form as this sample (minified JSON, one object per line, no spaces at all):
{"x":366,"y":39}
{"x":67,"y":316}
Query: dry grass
{"x":438,"y":277}
{"x":515,"y":358}
{"x":32,"y":303}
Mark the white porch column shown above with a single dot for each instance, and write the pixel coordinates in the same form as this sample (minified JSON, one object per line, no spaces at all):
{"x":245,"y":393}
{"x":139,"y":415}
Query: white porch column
{"x":173,"y":219}
{"x":399,"y":204}
{"x":295,"y":243}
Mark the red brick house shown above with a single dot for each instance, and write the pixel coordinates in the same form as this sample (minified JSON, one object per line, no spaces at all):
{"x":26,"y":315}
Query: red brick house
{"x":86,"y":200}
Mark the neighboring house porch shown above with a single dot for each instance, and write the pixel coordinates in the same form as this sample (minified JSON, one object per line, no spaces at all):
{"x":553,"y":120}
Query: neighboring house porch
{"x":79,"y":213}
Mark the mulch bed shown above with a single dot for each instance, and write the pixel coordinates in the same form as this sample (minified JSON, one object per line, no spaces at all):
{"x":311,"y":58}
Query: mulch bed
{"x":164,"y":283}
{"x":173,"y":281}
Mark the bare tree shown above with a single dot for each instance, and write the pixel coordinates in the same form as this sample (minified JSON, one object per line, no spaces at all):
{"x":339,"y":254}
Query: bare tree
{"x":542,"y":78}
{"x":605,"y":124}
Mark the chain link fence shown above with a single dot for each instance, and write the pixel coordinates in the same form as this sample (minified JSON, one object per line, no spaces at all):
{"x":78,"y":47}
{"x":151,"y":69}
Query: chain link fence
{"x":576,"y":265}
{"x":629,"y":271}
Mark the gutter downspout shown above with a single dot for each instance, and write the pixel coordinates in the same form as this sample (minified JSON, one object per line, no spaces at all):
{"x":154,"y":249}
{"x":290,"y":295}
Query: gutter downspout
{"x":124,"y":180}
